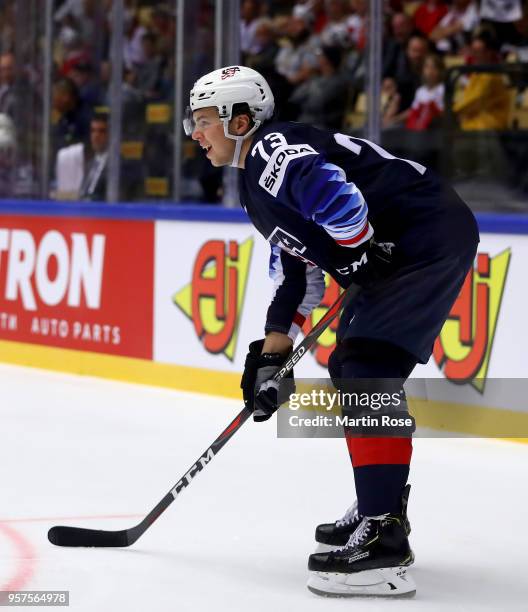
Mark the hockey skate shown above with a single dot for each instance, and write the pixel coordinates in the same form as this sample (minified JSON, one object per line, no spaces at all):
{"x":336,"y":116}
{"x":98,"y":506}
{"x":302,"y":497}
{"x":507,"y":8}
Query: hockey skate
{"x":374,"y":562}
{"x":332,"y":536}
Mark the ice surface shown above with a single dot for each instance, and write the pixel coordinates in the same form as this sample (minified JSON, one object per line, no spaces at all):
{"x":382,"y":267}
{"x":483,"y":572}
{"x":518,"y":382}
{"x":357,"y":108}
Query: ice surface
{"x":85,"y":452}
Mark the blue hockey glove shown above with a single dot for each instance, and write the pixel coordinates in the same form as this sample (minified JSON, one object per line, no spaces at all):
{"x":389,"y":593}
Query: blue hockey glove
{"x":262,"y":395}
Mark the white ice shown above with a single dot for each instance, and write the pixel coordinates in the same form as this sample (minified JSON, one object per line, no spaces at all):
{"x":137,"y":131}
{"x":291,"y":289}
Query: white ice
{"x":78,"y":451}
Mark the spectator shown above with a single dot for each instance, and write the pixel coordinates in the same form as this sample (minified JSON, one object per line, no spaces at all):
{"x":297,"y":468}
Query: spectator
{"x":454,"y":30}
{"x":482,"y":109}
{"x":133,"y":107}
{"x":149,"y":72}
{"x":322,"y":98}
{"x":264,"y":60}
{"x":249,"y":13}
{"x":70,"y":12}
{"x":315,"y":11}
{"x":7,"y":25}
{"x":79,"y":16}
{"x":7,"y":84}
{"x":485,"y":101}
{"x":163,"y":26}
{"x":68,"y":117}
{"x":93,"y":186}
{"x":428,"y":104}
{"x":303,"y":9}
{"x":72,"y":51}
{"x":409,"y":73}
{"x":356,"y":24}
{"x":500,"y":17}
{"x":83,"y":75}
{"x":402,"y":27}
{"x":296,"y":61}
{"x":281,"y":25}
{"x":428,"y":15}
{"x":390,"y":103}
{"x":133,"y":53}
{"x":335,"y":32}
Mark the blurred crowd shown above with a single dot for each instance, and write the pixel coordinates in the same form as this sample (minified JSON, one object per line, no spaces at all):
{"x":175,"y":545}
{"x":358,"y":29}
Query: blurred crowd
{"x":315,"y":52}
{"x":312,"y":52}
{"x":80,"y":98}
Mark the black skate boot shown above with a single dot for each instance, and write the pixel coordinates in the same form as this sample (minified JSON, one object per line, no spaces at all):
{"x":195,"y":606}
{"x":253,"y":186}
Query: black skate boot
{"x":333,"y":535}
{"x":373,"y":562}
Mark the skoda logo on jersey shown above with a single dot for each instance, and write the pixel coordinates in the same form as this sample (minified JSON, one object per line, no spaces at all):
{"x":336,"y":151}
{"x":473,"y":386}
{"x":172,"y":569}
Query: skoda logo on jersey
{"x":272,"y":177}
{"x":229,"y":72}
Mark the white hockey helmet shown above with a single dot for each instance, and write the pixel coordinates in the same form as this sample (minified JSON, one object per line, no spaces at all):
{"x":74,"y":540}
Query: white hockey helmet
{"x":225,"y":87}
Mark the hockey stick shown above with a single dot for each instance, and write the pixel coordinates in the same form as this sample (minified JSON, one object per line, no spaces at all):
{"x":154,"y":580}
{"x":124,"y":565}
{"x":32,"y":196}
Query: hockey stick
{"x":78,"y":536}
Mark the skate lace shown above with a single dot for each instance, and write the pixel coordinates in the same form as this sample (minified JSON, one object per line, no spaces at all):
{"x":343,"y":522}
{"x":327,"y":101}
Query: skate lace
{"x":360,"y":533}
{"x":350,"y":515}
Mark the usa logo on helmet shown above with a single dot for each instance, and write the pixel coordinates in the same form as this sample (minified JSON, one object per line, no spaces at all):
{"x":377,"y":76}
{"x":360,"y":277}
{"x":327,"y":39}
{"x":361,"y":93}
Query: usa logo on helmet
{"x":229,"y":72}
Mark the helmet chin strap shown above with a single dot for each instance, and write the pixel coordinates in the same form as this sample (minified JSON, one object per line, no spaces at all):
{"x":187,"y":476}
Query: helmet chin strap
{"x":238,"y":140}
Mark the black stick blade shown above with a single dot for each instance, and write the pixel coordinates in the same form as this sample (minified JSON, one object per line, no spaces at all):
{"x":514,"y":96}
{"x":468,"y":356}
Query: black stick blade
{"x":77,"y":536}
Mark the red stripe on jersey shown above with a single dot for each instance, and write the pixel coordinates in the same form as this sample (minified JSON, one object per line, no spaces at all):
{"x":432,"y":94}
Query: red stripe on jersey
{"x":298,"y":319}
{"x":356,"y":238}
{"x":379,"y":451}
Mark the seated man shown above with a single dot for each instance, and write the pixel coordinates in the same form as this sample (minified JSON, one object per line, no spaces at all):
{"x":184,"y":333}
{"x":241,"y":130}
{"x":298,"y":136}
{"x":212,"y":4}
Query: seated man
{"x":485,"y":101}
{"x":93,"y":186}
{"x":81,"y":170}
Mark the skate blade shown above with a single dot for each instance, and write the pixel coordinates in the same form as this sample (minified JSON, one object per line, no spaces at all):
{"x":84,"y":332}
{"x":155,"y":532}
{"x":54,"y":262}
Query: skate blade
{"x":386,"y":582}
{"x":324,"y":548}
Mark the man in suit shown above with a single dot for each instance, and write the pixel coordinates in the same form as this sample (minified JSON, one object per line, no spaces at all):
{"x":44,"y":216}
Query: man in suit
{"x":93,"y":186}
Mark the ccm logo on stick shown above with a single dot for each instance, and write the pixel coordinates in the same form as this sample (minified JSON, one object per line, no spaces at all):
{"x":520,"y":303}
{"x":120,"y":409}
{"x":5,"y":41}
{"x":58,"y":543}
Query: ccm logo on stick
{"x":197,"y":467}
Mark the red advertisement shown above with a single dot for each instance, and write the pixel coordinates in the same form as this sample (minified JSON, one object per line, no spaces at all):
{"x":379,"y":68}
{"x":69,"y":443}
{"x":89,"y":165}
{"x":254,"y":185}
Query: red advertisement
{"x":84,"y":284}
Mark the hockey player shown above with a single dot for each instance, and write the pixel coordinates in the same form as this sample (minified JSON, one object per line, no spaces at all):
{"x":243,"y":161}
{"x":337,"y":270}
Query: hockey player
{"x":330,"y":202}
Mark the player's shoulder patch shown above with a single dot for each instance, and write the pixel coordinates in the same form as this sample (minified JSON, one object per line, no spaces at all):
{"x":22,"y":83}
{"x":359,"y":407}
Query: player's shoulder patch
{"x":273,"y":174}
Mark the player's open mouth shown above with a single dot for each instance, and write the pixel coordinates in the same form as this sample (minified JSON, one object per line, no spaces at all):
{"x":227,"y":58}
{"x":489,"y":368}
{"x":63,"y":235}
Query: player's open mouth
{"x":206,"y":148}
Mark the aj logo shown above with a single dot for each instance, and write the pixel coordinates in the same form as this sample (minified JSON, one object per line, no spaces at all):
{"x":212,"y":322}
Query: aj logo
{"x":325,"y":344}
{"x":214,"y":298}
{"x":463,"y":348}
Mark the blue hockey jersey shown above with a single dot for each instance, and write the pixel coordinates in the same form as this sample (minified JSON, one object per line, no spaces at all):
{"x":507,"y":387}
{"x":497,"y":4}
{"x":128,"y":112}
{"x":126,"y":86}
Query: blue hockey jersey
{"x":317,"y":195}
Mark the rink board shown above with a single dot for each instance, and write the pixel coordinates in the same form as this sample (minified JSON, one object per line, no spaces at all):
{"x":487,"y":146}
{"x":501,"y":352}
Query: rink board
{"x":174,"y":301}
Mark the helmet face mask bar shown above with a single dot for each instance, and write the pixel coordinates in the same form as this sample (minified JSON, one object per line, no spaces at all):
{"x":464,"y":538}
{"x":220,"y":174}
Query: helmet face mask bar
{"x":188,"y":122}
{"x":190,"y":125}
{"x":223,"y":89}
